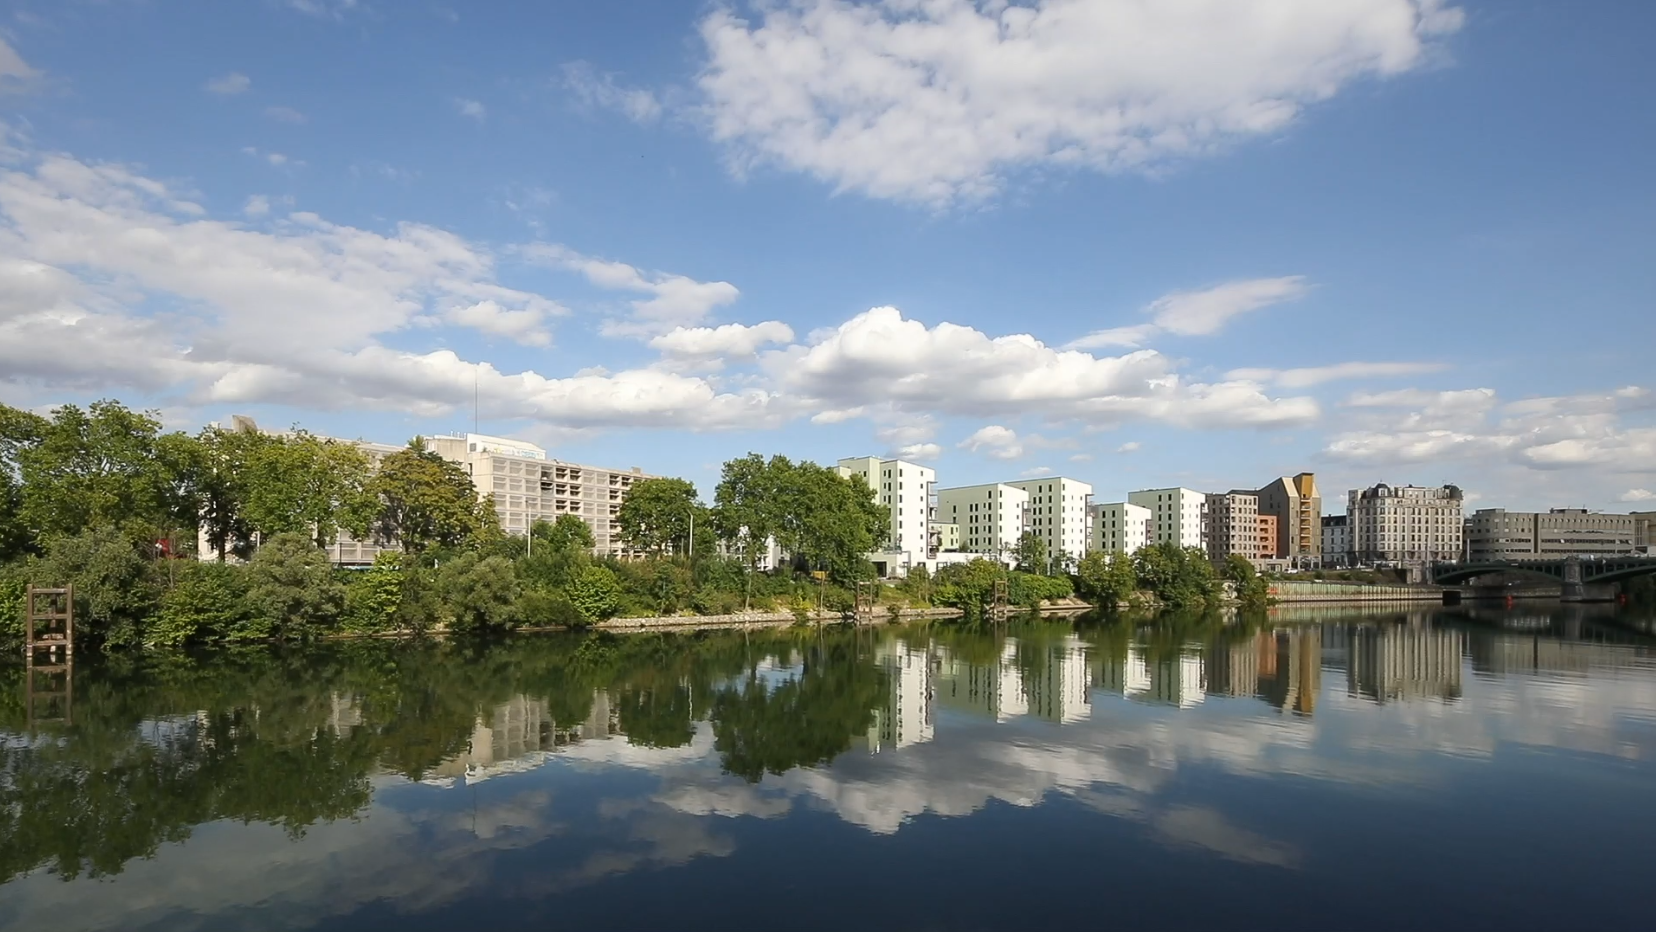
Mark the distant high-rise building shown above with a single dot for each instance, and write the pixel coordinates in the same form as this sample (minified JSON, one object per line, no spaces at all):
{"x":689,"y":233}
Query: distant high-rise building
{"x":1405,"y":524}
{"x":1120,"y":527}
{"x":1175,"y":514}
{"x":1058,"y":513}
{"x":1297,"y":506}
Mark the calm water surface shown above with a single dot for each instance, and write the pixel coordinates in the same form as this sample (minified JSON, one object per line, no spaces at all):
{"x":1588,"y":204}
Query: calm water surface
{"x":1456,"y":769}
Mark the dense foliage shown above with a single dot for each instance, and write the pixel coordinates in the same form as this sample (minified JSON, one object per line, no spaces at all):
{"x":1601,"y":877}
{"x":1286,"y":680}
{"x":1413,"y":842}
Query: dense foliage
{"x":105,"y":500}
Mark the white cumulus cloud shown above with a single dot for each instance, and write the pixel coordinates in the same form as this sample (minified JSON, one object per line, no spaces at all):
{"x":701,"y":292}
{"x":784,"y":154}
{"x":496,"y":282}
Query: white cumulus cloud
{"x":673,"y":300}
{"x":723,"y":342}
{"x":1317,"y":375}
{"x":935,"y":101}
{"x":994,"y":441}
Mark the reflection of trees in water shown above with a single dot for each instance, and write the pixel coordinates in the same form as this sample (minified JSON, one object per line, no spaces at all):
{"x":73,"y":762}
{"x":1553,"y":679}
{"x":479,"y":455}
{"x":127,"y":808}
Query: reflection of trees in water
{"x":162,"y":743}
{"x":804,"y":721}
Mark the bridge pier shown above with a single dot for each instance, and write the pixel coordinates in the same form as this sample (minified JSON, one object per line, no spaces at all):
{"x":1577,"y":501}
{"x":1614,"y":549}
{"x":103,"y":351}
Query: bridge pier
{"x":1574,"y":589}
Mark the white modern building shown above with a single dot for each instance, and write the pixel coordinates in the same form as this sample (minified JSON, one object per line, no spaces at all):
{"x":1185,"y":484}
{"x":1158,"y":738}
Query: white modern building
{"x":1176,"y":515}
{"x":904,"y":489}
{"x":528,"y":487}
{"x":1120,"y":527}
{"x":991,"y":517}
{"x":1058,"y":513}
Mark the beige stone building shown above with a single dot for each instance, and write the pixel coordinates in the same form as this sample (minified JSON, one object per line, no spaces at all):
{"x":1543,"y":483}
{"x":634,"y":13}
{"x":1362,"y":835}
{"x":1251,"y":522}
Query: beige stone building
{"x":1232,"y":520}
{"x":1405,"y":524}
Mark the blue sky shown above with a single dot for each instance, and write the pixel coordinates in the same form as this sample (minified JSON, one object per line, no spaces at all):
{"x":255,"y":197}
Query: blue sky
{"x":1196,"y":242}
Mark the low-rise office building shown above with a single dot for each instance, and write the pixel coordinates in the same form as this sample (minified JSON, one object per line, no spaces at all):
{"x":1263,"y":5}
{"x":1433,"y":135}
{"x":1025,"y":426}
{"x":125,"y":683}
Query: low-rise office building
{"x":990,"y":517}
{"x":1498,"y":534}
{"x":1405,"y":524}
{"x":1120,"y":527}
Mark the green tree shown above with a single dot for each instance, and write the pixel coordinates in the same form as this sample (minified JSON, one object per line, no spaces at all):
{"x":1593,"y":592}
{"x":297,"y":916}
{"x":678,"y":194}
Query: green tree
{"x":745,"y":506}
{"x":658,"y":514}
{"x":292,"y":592}
{"x":566,"y":534}
{"x":115,"y":584}
{"x":374,"y":596}
{"x":305,"y":484}
{"x":1252,"y":592}
{"x":1179,"y":576}
{"x":596,"y":593}
{"x":1032,"y":553}
{"x":827,"y":520}
{"x":427,"y":501}
{"x":100,"y":467}
{"x":222,"y":470}
{"x":969,"y":587}
{"x":207,"y":602}
{"x":1106,"y":579}
{"x":19,"y":430}
{"x":480,"y":593}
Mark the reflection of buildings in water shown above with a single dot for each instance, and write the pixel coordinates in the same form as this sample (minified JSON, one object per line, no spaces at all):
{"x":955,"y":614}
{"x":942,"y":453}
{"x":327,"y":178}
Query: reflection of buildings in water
{"x":1503,"y":652}
{"x":907,"y":716}
{"x":519,"y":735}
{"x":1056,"y":684}
{"x":1049,"y":682}
{"x":1233,"y":669}
{"x":1290,"y":668}
{"x":1177,"y":680}
{"x":1397,"y":662}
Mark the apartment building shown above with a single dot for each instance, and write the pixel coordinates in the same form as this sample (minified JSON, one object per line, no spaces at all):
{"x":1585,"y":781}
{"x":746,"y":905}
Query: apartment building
{"x":1176,"y":515}
{"x":528,"y":486}
{"x":1498,"y":534}
{"x":1231,"y":525}
{"x":1297,"y":506}
{"x":991,"y":517}
{"x":1120,"y":527}
{"x":1405,"y":524}
{"x":1336,"y":540}
{"x":904,"y":489}
{"x":1268,"y":537}
{"x":1058,"y":513}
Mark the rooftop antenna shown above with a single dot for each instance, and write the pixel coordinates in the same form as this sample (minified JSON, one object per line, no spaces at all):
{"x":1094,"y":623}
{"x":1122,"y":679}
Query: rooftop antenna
{"x":474,"y":401}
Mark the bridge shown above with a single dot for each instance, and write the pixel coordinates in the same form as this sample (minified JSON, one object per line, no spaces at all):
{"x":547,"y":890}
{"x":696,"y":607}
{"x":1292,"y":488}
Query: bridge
{"x":1574,"y":573}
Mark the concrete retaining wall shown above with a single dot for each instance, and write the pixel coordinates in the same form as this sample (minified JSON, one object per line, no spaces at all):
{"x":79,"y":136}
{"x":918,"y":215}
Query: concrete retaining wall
{"x":1352,"y":592}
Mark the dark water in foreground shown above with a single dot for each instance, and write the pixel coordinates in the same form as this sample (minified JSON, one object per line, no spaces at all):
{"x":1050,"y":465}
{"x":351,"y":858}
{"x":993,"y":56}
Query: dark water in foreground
{"x":1457,"y":769}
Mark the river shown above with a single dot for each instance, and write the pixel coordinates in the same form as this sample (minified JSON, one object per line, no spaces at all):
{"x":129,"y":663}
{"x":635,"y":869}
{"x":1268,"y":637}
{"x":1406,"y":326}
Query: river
{"x":1323,"y":768}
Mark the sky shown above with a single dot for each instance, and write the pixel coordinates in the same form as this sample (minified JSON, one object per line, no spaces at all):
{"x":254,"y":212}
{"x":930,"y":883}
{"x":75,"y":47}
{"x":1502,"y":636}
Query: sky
{"x":1139,"y":243}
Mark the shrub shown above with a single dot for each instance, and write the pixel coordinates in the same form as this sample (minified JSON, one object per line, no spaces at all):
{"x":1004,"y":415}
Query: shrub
{"x":207,"y":602}
{"x":596,"y":594}
{"x":292,"y":591}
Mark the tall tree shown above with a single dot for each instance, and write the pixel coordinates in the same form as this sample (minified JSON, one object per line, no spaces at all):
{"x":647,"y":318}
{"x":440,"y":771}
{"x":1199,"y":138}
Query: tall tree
{"x":305,"y":484}
{"x":104,"y":466}
{"x":745,"y":505}
{"x":658,"y":515}
{"x":18,"y":430}
{"x":827,"y":520}
{"x":426,"y":501}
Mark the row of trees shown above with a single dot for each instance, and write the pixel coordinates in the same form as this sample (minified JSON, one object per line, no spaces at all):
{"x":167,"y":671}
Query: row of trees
{"x":1180,"y":577}
{"x":107,"y":467}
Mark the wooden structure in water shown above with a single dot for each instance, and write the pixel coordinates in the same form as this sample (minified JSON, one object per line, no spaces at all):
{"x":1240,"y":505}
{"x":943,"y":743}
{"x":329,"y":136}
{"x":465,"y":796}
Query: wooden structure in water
{"x":49,"y":654}
{"x":1001,"y":606}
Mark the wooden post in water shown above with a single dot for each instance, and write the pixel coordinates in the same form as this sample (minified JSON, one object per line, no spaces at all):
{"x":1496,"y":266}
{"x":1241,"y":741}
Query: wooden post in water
{"x":49,"y":632}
